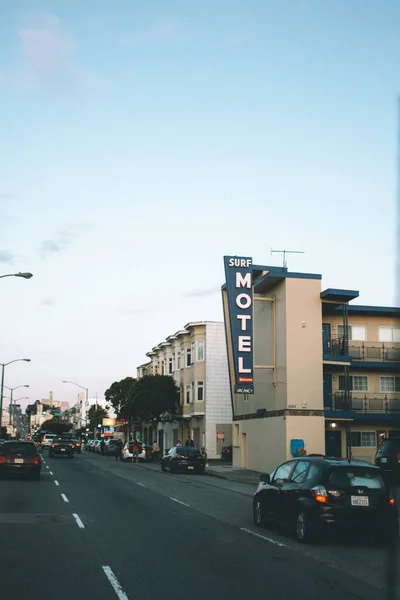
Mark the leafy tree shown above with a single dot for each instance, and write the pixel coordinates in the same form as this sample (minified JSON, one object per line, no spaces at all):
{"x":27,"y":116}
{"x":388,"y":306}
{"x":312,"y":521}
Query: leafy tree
{"x":95,"y":416}
{"x":156,"y":398}
{"x":121,"y":394}
{"x":53,"y":426}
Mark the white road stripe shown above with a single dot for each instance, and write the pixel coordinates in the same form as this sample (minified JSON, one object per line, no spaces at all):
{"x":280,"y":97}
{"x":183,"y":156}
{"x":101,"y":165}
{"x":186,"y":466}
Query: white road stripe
{"x":56,"y":482}
{"x":263,"y":537}
{"x":77,"y":519}
{"x":47,"y":467}
{"x":179,"y":502}
{"x":64,"y":497}
{"x":141,"y":484}
{"x":115,"y":584}
{"x":51,"y":472}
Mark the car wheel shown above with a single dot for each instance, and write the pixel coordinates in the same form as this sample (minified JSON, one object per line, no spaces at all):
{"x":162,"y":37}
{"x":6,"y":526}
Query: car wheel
{"x":304,"y":528}
{"x":258,"y":513}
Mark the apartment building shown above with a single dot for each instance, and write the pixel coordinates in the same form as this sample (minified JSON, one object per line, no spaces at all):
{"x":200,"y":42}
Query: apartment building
{"x":196,"y":358}
{"x":308,"y":368}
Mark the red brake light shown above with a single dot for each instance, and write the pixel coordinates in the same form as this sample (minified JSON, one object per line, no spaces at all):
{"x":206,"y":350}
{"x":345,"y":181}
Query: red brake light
{"x":52,"y":445}
{"x":320,"y":494}
{"x":73,"y":446}
{"x":2,"y":460}
{"x":36,"y":460}
{"x":392,"y":501}
{"x":398,"y":458}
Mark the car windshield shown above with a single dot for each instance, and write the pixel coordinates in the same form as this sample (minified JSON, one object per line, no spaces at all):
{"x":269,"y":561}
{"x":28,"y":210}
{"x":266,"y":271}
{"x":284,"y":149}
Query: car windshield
{"x":10,"y":448}
{"x":389,"y":446}
{"x":345,"y":477}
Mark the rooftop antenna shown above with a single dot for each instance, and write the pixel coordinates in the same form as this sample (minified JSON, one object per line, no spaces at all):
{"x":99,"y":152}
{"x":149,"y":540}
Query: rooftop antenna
{"x":284,"y":252}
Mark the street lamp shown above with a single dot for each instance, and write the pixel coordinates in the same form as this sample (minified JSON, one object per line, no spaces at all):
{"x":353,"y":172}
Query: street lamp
{"x":83,"y":388}
{"x":11,"y":395}
{"x":3,"y":365}
{"x":23,"y":275}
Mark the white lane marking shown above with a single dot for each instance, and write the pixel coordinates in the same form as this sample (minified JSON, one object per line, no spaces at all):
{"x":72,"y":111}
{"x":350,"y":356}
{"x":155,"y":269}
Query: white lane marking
{"x":77,"y":519}
{"x":64,"y":497}
{"x":47,"y":467}
{"x":263,"y":537}
{"x":179,"y":502}
{"x":51,"y":472}
{"x":115,"y":584}
{"x":141,"y":484}
{"x":56,"y":482}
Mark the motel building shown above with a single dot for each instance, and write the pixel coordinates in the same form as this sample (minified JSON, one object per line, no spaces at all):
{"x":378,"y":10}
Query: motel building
{"x":308,"y":369}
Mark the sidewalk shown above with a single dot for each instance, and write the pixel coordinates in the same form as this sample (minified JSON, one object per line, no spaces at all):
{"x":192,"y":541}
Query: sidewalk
{"x":232,"y":473}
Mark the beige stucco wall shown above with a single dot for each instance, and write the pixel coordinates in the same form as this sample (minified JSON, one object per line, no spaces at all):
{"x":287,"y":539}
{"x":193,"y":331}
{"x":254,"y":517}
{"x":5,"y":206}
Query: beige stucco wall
{"x":310,"y":429}
{"x":370,"y":322}
{"x":266,"y":443}
{"x":304,"y":344}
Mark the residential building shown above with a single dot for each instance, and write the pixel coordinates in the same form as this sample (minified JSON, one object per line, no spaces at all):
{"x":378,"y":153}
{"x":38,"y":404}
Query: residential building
{"x":195,"y":357}
{"x":313,"y":370}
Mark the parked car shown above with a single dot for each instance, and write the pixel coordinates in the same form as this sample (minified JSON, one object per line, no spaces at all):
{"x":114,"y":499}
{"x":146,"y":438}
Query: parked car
{"x":20,"y":458}
{"x":62,"y":447}
{"x":78,"y":446}
{"x":145,"y":451}
{"x":184,"y":459}
{"x":110,"y":446}
{"x":311,"y":494}
{"x":97,"y":447}
{"x":226,"y":453}
{"x":387,"y":459}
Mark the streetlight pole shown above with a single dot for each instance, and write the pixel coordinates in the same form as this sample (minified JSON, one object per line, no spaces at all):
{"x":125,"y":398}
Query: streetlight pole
{"x":11,"y":396}
{"x":23,"y":275}
{"x":83,"y":388}
{"x":3,"y":365}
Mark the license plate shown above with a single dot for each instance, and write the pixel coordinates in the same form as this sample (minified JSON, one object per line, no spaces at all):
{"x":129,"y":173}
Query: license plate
{"x":191,"y":468}
{"x":19,"y":461}
{"x":62,"y":449}
{"x":383,"y":460}
{"x":359,"y":501}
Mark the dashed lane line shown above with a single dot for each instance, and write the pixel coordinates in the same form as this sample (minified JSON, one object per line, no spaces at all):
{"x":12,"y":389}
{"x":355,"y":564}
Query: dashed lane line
{"x":115,"y":584}
{"x":56,"y":482}
{"x":78,"y":520}
{"x":64,"y":497}
{"x":263,"y":537}
{"x":180,"y":502}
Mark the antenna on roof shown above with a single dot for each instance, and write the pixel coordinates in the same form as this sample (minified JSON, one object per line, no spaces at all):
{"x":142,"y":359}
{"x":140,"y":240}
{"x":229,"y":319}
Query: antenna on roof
{"x":284,"y":252}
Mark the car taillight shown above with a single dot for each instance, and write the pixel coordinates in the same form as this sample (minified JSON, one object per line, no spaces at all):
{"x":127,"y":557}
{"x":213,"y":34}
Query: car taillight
{"x":392,"y":501}
{"x":73,"y":446}
{"x":398,"y":458}
{"x":320,"y":494}
{"x":179,"y":456}
{"x":52,"y":445}
{"x":36,"y":460}
{"x":2,"y":460}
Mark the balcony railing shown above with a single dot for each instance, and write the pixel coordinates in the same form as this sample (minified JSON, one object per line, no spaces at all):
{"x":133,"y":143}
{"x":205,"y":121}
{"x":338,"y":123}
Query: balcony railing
{"x":363,"y":403}
{"x":363,"y":351}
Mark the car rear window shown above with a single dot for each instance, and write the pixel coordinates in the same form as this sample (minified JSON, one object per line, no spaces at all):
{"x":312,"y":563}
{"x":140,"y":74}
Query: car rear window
{"x":388,"y":446}
{"x":345,"y":477}
{"x":26,"y":449}
{"x":187,"y":451}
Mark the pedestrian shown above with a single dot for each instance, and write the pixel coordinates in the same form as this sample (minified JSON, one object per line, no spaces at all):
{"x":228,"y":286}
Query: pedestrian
{"x":179,"y":443}
{"x":187,"y":443}
{"x":118,"y":450}
{"x":102,"y":446}
{"x":135,"y":451}
{"x":156,"y":451}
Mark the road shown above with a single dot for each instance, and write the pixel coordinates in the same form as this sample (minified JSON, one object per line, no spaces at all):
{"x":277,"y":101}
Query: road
{"x":96,"y":529}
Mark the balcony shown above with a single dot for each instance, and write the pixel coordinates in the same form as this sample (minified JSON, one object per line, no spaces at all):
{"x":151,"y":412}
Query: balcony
{"x":361,"y":402}
{"x":374,"y":351}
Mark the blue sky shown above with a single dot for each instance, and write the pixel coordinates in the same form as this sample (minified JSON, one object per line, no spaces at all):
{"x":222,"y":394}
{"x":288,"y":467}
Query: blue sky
{"x":142,"y":141}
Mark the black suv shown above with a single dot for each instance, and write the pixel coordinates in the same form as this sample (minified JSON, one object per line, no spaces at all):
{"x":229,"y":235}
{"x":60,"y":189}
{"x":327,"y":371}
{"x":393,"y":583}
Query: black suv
{"x":387,"y":458}
{"x":62,"y":447}
{"x":309,"y":494}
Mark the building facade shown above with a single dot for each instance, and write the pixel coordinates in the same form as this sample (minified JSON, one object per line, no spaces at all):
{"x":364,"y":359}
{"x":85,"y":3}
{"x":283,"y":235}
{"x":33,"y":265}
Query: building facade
{"x":320,"y":371}
{"x":196,"y":358}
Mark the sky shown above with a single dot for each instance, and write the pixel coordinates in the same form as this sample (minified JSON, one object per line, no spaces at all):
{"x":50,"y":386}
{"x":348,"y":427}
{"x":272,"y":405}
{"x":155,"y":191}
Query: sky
{"x":141,"y":141}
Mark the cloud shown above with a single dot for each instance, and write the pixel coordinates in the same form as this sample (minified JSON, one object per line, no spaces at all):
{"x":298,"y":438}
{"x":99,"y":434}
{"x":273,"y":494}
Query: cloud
{"x":204,"y":292}
{"x":65,"y":236}
{"x":163,"y":30}
{"x":48,"y":247}
{"x":6,"y":256}
{"x":6,"y":196}
{"x":48,"y":302}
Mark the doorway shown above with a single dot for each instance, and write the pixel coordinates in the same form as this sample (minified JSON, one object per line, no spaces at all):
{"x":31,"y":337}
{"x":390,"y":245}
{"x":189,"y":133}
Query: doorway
{"x":326,"y":338}
{"x":327,"y":390}
{"x":333,"y":443}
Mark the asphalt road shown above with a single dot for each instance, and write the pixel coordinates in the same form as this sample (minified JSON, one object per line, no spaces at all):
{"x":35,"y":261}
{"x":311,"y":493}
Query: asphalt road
{"x":111,"y":530}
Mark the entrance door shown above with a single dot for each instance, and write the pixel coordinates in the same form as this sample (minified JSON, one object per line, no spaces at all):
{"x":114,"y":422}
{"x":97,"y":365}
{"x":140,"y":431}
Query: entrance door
{"x":326,"y":338}
{"x":161,"y":441}
{"x":327,"y":391}
{"x":333,"y":443}
{"x":243,"y":450}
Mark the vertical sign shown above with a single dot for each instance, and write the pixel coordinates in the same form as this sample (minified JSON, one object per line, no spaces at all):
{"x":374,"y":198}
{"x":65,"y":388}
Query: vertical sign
{"x":239,"y":286}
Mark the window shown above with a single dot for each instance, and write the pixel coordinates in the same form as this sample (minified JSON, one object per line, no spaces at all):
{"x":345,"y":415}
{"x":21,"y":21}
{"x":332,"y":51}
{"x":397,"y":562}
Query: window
{"x":282,"y":473}
{"x":346,"y":477}
{"x":357,"y":383}
{"x":389,"y":334}
{"x":300,"y":473}
{"x":163,"y":367}
{"x":200,"y":391}
{"x":188,"y":393}
{"x":390,"y":384}
{"x":193,"y":351}
{"x":357,"y":333}
{"x":363,"y":439}
{"x":170,"y":366}
{"x":188,"y":357}
{"x":200,"y":350}
{"x":178,"y":360}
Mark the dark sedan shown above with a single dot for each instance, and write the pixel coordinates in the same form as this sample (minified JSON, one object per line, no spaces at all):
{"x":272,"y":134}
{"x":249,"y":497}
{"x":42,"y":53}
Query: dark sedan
{"x":20,"y":458}
{"x":312,"y":494}
{"x":183,"y":459}
{"x":62,"y":447}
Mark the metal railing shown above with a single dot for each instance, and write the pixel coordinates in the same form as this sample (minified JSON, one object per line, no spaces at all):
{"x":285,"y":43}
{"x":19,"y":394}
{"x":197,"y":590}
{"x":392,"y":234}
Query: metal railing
{"x":363,"y":351}
{"x":363,"y":402}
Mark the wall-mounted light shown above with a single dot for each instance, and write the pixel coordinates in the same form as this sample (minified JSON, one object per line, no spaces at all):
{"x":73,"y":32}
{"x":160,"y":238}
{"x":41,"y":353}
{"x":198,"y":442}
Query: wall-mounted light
{"x":333,"y":425}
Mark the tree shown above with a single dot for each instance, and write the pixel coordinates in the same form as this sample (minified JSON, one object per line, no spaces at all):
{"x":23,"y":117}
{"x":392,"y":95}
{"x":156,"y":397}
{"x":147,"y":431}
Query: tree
{"x":95,"y":416}
{"x":156,"y":398}
{"x":121,"y":394}
{"x":53,"y":426}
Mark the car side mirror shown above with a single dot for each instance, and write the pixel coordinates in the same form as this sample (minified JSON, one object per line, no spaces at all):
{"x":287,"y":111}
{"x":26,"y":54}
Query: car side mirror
{"x":265,"y":478}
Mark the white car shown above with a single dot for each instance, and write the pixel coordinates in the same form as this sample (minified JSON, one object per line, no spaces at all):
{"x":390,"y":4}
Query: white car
{"x":48,"y":439}
{"x":144,"y":452}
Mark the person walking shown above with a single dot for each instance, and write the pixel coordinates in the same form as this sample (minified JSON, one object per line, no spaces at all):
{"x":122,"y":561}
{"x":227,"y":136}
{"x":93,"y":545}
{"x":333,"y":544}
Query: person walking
{"x":156,"y":451}
{"x":118,"y":450}
{"x":135,"y":451}
{"x":102,"y":446}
